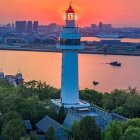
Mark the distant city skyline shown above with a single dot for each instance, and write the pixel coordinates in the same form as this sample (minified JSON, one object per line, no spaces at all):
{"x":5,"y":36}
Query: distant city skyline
{"x":13,"y":24}
{"x":119,"y":13}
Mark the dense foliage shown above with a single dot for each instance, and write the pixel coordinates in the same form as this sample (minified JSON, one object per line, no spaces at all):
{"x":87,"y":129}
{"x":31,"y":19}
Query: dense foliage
{"x":129,"y":130}
{"x":61,"y":115}
{"x":13,"y":129}
{"x":86,"y":129}
{"x":27,"y":102}
{"x":92,"y":96}
{"x":123,"y":102}
{"x":50,"y":134}
{"x":31,"y":101}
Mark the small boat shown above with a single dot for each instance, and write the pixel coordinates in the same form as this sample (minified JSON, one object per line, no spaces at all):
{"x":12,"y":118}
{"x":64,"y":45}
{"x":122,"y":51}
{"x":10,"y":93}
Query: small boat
{"x":115,"y":63}
{"x":117,"y":36}
{"x":95,"y":83}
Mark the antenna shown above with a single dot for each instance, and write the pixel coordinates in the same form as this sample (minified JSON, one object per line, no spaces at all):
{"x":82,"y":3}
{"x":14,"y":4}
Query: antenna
{"x":70,"y":2}
{"x":19,"y":70}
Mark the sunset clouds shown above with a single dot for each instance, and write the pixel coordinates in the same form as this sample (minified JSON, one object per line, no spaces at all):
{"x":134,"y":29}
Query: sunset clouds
{"x":117,"y":12}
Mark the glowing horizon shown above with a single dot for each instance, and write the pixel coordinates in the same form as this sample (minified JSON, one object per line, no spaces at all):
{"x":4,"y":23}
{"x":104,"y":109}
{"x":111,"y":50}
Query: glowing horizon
{"x":116,"y":12}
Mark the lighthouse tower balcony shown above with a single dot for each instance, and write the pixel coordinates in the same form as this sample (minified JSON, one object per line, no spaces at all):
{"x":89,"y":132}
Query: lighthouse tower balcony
{"x":70,"y":39}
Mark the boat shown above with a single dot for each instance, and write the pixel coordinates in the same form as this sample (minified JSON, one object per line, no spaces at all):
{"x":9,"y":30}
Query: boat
{"x":115,"y":63}
{"x":109,"y":36}
{"x":95,"y":83}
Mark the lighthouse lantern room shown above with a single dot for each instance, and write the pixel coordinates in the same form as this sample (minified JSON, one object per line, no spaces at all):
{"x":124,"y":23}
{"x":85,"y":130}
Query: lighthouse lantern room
{"x":70,"y":17}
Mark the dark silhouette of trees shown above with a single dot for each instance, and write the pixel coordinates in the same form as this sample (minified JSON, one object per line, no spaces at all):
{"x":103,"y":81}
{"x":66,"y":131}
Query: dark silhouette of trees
{"x":13,"y":130}
{"x":50,"y":134}
{"x":61,"y":115}
{"x":128,"y":130}
{"x":86,"y":129}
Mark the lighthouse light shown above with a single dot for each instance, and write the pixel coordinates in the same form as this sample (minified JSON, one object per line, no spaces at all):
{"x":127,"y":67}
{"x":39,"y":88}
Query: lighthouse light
{"x":70,"y":16}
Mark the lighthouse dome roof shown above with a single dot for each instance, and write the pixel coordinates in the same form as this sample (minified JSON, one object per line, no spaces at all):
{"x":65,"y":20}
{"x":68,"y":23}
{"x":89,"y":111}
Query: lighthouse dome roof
{"x":70,"y":9}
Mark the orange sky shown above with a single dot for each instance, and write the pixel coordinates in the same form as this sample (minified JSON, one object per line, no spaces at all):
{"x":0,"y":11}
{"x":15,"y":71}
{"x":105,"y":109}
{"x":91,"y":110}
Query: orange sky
{"x":117,"y":12}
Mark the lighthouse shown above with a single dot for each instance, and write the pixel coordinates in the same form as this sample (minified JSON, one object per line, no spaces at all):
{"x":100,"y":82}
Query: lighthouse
{"x":70,"y":45}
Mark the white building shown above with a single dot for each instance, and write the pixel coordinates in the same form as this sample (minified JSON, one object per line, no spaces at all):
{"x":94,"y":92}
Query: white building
{"x":70,"y":45}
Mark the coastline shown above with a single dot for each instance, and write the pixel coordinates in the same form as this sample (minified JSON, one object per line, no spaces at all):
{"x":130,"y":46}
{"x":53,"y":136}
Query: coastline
{"x":59,"y":51}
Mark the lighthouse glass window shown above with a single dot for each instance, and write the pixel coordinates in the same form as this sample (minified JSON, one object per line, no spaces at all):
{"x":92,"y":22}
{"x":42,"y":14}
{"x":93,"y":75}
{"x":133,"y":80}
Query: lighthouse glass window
{"x":70,"y":16}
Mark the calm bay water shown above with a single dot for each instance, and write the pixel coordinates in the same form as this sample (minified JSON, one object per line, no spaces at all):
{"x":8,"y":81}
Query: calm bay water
{"x":132,"y":40}
{"x":47,"y":67}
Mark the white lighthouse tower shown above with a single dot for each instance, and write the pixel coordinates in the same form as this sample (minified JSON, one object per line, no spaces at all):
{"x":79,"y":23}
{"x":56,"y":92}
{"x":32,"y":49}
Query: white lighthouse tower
{"x":70,"y":45}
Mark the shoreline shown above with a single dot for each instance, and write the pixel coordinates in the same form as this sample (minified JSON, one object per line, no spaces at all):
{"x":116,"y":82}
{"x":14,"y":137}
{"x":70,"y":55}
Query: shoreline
{"x":59,"y":51}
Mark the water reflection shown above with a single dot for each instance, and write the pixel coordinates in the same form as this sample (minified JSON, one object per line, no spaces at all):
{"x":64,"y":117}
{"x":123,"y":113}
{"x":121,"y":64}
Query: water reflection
{"x":47,"y":67}
{"x":132,"y":40}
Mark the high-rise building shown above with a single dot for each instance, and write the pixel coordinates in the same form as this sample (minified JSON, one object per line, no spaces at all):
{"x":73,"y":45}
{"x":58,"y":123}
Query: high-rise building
{"x":35,"y":26}
{"x":94,"y":28}
{"x":29,"y":27}
{"x":13,"y":26}
{"x":20,"y":26}
{"x":107,"y":27}
{"x":70,"y":45}
{"x":100,"y":26}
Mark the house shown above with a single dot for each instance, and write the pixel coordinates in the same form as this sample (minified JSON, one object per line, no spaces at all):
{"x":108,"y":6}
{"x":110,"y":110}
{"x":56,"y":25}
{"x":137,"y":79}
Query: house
{"x":60,"y":132}
{"x":101,"y":117}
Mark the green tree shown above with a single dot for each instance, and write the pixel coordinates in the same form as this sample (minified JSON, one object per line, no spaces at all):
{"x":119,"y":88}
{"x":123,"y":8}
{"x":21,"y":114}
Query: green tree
{"x":92,"y":96}
{"x":130,"y":123}
{"x":0,"y":123}
{"x":123,"y":102}
{"x":42,"y":90}
{"x":75,"y":130}
{"x":132,"y":133}
{"x":113,"y":132}
{"x":10,"y":116}
{"x":128,"y":130}
{"x":132,"y":106}
{"x":30,"y":109}
{"x":50,"y":134}
{"x":119,"y":110}
{"x":88,"y":129}
{"x":32,"y":137}
{"x":52,"y":113}
{"x":13,"y":130}
{"x":61,"y":115}
{"x":25,"y":138}
{"x":116,"y":99}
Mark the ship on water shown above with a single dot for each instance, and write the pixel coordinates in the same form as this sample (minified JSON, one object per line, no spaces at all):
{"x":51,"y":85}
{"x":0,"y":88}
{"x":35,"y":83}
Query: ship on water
{"x":115,"y":63}
{"x":109,"y":36}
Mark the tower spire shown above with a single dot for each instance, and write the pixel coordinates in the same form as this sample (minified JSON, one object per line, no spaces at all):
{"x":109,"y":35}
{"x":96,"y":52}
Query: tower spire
{"x":70,"y":16}
{"x":70,"y":2}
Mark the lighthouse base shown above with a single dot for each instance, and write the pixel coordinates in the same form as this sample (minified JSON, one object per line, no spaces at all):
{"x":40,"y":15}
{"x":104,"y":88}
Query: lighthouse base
{"x":80,"y":104}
